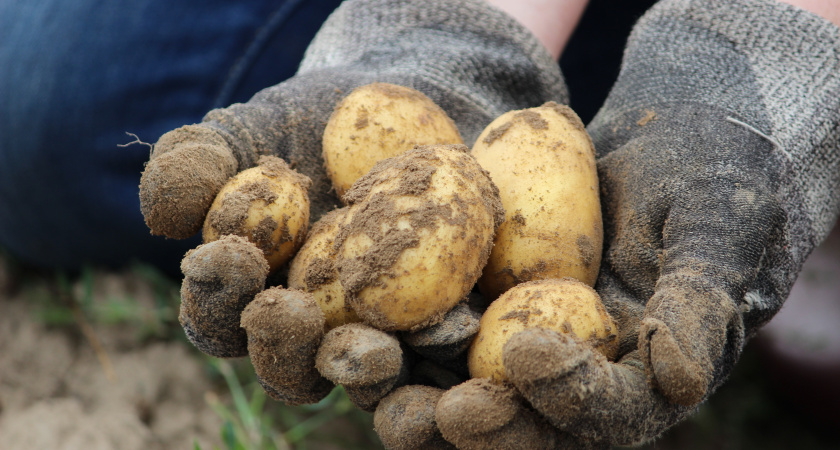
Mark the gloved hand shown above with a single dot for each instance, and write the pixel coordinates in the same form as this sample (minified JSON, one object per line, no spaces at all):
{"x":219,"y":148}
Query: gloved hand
{"x":472,"y":60}
{"x":718,"y":162}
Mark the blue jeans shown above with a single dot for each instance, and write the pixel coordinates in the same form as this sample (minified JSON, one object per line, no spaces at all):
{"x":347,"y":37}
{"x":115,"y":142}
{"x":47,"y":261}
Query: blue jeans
{"x":76,"y":76}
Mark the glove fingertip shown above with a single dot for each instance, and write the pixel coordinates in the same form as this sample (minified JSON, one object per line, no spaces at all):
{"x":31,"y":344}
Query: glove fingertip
{"x":220,"y":279}
{"x":681,"y":380}
{"x":284,"y":329}
{"x":482,"y":414}
{"x":405,"y":419}
{"x":187,"y":169}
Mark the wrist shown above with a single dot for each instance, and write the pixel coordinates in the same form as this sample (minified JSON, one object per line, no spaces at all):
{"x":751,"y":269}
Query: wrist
{"x":827,"y":9}
{"x":551,"y":21}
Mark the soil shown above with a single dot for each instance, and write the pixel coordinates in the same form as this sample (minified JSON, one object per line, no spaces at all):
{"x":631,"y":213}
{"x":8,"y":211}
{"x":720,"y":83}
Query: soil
{"x":122,"y":374}
{"x":60,"y":390}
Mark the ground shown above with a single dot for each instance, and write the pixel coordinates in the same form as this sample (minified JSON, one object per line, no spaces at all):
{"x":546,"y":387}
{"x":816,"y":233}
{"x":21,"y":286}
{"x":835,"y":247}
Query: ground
{"x":96,"y":361}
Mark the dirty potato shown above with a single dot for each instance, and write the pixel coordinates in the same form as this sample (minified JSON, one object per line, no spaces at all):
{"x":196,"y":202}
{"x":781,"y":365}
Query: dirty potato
{"x":313,"y":270}
{"x":563,"y":305}
{"x":418,"y":233}
{"x":267,"y":204}
{"x":543,"y":162}
{"x":378,"y":121}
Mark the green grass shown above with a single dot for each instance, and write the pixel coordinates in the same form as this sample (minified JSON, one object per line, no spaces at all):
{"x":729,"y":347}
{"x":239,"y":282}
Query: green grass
{"x":252,"y":421}
{"x":63,"y":299}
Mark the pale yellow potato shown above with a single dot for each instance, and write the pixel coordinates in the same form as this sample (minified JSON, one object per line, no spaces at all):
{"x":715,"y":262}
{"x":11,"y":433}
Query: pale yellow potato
{"x":563,"y":305}
{"x":543,"y":162}
{"x":268,"y":204}
{"x":313,"y":270}
{"x":378,"y":121}
{"x":418,"y":233}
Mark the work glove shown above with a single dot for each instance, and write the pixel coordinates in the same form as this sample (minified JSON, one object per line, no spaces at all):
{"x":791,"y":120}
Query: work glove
{"x":472,"y":60}
{"x":718,"y":162}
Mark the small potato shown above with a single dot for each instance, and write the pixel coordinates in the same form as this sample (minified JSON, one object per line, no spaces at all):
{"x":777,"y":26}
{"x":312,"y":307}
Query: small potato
{"x":419,"y":231}
{"x":313,"y":270}
{"x":267,"y":204}
{"x":543,"y":162}
{"x":563,"y":305}
{"x":378,"y":121}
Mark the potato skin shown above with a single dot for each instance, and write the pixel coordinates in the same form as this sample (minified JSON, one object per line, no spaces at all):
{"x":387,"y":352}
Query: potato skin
{"x":563,"y":305}
{"x":268,"y":204}
{"x":543,"y":162}
{"x":419,"y":231}
{"x":378,"y":121}
{"x":313,"y":270}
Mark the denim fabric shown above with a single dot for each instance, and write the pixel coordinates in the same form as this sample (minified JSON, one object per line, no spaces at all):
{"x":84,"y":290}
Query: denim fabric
{"x":76,"y":76}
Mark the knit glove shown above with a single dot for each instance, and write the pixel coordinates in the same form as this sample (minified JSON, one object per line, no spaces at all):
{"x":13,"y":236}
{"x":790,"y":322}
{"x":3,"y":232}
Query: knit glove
{"x":718,"y":163}
{"x":472,"y":60}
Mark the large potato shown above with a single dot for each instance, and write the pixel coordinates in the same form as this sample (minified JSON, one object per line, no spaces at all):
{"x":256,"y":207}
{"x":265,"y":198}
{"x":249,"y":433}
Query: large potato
{"x":313,"y":270}
{"x":543,"y":162}
{"x":419,"y":231}
{"x":564,"y":305}
{"x":267,"y":204}
{"x":378,"y":121}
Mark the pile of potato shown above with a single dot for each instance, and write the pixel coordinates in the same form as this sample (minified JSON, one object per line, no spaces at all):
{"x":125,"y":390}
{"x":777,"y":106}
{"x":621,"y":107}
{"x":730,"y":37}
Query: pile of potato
{"x":430,"y":228}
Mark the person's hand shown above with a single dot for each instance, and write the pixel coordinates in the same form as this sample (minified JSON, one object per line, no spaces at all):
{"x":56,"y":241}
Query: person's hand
{"x":471,"y":59}
{"x":718,"y":162}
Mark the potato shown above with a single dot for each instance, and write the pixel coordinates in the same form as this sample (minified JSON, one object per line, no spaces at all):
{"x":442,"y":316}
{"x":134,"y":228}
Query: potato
{"x":267,"y":204}
{"x":419,"y":230}
{"x":378,"y":121}
{"x":563,"y":305}
{"x":543,"y":162}
{"x":313,"y":270}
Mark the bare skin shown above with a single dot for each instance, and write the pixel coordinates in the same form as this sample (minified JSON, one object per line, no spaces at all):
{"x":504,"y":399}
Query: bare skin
{"x":551,"y":21}
{"x":829,"y":9}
